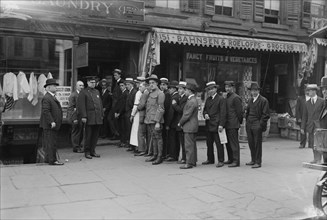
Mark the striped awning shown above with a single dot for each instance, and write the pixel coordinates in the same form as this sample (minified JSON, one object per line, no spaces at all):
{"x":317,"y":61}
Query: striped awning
{"x":321,"y":41}
{"x":225,"y":41}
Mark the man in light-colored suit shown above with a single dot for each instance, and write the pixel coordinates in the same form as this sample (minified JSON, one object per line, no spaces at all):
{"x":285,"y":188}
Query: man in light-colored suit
{"x":310,"y":118}
{"x":190,"y":124}
{"x":77,"y":126}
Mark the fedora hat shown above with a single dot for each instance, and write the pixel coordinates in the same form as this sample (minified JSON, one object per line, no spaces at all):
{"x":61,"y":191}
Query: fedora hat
{"x":181,"y":84}
{"x":229,"y":83}
{"x":50,"y":82}
{"x":254,"y":86}
{"x":191,"y":87}
{"x":312,"y":87}
{"x":323,"y":82}
{"x":117,"y":71}
{"x":211,"y":84}
{"x":164,"y":80}
{"x":153,"y":77}
{"x":173,"y":84}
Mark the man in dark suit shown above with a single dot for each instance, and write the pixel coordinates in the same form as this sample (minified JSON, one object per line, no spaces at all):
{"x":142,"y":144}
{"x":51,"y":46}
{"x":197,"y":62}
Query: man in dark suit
{"x":131,"y":92}
{"x":116,"y":93}
{"x":50,"y":121}
{"x":189,"y":123}
{"x":310,"y":118}
{"x":214,"y":113}
{"x":106,"y":103}
{"x":179,"y":106}
{"x":119,"y":109}
{"x":90,"y":110}
{"x":234,"y":119}
{"x":257,"y":115}
{"x":323,"y":114}
{"x":164,"y":88}
{"x":77,"y":126}
{"x":173,"y":139}
{"x":299,"y":108}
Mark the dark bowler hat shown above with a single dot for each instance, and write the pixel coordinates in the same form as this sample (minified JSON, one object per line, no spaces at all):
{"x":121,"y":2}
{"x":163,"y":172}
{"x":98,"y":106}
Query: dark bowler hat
{"x":324,"y":82}
{"x":129,"y":80}
{"x":164,"y":80}
{"x":211,"y":85}
{"x":191,"y":87}
{"x":117,"y":71}
{"x":89,"y":78}
{"x":254,"y":86}
{"x":229,"y":83}
{"x":312,"y":87}
{"x":173,"y":84}
{"x":50,"y":82}
{"x":153,"y":77}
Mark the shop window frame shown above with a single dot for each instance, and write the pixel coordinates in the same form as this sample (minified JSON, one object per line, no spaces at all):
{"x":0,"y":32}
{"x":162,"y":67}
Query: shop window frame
{"x":272,"y":16}
{"x":222,"y":7}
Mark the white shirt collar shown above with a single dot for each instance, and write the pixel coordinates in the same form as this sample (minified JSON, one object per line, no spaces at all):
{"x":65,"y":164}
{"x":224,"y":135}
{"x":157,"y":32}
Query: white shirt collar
{"x":77,"y":91}
{"x":315,"y":98}
{"x":190,"y":96}
{"x":255,"y":98}
{"x":214,"y":96}
{"x":307,"y":98}
{"x":51,"y":93}
{"x":182,"y":95}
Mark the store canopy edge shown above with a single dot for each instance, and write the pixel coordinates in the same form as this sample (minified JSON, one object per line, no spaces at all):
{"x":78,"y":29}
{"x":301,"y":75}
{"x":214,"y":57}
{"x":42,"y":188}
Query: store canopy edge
{"x":225,"y":41}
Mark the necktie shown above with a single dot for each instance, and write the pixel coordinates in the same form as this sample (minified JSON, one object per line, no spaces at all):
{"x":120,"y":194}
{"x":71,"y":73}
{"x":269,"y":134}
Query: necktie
{"x":312,"y":102}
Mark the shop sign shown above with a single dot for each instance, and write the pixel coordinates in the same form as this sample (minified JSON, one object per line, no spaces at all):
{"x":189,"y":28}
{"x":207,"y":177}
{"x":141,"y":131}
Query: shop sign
{"x":82,"y":55}
{"x":62,"y":94}
{"x":122,"y":9}
{"x":220,"y":58}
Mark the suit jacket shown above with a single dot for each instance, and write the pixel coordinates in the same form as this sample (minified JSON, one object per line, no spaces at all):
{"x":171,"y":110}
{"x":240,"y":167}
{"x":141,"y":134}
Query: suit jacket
{"x":72,"y":107}
{"x":142,"y":104}
{"x":130,"y":102}
{"x":234,"y":111}
{"x":106,"y":100}
{"x":121,"y":103}
{"x":323,"y":116}
{"x":311,"y":115}
{"x":116,"y":93}
{"x":189,"y":120}
{"x":154,"y":109}
{"x":262,"y":106}
{"x":167,"y":105}
{"x":51,"y":112}
{"x":173,"y":113}
{"x":299,"y":108}
{"x":179,"y":108}
{"x":216,"y":109}
{"x":89,"y":106}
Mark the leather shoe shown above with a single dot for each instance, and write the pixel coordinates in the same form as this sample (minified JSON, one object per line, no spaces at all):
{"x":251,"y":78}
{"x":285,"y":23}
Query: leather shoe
{"x":220,"y":164}
{"x":130,"y":149}
{"x":207,"y":162}
{"x":234,"y":165}
{"x":95,"y":155}
{"x":314,"y":162}
{"x":228,"y":162}
{"x":139,"y":154}
{"x":151,"y":159}
{"x":301,"y":146}
{"x":186,"y":166}
{"x":256,"y":166}
{"x":148,"y":155}
{"x":157,"y":161}
{"x":181,"y":162}
{"x":88,"y":156}
{"x":78,"y":150}
{"x":57,"y":163}
{"x":250,"y":163}
{"x":170,"y":159}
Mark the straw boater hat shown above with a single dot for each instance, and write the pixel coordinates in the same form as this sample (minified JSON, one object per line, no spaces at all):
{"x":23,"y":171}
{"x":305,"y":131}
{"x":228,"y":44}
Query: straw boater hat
{"x":173,"y":84}
{"x":229,"y":83}
{"x":181,"y":84}
{"x":153,"y":77}
{"x":164,"y":80}
{"x":191,"y":87}
{"x":50,"y":82}
{"x":117,"y":71}
{"x":312,"y":87}
{"x":139,"y":79}
{"x":129,"y":80}
{"x":211,"y":85}
{"x":324,"y":82}
{"x":254,"y":86}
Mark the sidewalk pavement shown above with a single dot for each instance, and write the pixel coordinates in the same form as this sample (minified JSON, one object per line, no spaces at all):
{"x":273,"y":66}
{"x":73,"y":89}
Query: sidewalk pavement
{"x":121,"y":186}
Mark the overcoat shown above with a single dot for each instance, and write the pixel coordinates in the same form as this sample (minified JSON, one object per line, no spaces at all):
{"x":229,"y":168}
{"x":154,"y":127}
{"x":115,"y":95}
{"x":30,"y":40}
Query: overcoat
{"x":234,"y":111}
{"x":262,"y":108}
{"x":179,"y":106}
{"x":216,"y":109}
{"x":311,"y":114}
{"x":121,"y":103}
{"x":51,"y":112}
{"x":106,"y":100}
{"x":72,"y":110}
{"x":173,"y":113}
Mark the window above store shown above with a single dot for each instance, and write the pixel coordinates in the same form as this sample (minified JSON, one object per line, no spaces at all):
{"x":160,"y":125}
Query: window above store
{"x":272,"y":8}
{"x":168,"y":4}
{"x":224,"y":7}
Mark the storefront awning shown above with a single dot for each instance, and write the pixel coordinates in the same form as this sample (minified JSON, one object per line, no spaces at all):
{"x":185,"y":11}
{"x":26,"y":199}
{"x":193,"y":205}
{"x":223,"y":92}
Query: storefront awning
{"x":225,"y":41}
{"x":322,"y":41}
{"x":320,"y":32}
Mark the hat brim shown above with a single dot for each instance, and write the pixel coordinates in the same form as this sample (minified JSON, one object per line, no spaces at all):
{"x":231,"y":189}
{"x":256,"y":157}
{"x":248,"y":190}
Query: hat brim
{"x":212,"y":86}
{"x":315,"y":88}
{"x":157,"y":80}
{"x":49,"y":84}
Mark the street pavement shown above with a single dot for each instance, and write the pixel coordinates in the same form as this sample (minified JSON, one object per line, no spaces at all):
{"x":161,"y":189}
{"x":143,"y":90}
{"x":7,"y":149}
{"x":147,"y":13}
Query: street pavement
{"x":121,"y":186}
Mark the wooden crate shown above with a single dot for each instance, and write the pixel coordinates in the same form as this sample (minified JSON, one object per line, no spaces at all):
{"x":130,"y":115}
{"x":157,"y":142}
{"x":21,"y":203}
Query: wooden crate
{"x":294,"y":134}
{"x":320,"y":140}
{"x":284,"y":132}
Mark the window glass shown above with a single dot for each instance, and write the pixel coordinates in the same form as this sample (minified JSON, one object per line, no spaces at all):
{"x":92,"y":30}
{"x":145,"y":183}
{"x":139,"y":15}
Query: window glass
{"x":224,"y":7}
{"x":168,"y":4}
{"x":49,"y":57}
{"x":272,"y":4}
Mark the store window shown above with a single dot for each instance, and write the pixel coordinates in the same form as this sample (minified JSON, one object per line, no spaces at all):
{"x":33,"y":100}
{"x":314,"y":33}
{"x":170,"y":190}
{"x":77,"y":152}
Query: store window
{"x":22,"y":78}
{"x":224,"y":7}
{"x":168,"y":4}
{"x":272,"y":8}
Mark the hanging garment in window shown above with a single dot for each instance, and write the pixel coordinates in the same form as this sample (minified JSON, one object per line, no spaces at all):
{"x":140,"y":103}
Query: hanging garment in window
{"x":10,"y":85}
{"x":22,"y":85}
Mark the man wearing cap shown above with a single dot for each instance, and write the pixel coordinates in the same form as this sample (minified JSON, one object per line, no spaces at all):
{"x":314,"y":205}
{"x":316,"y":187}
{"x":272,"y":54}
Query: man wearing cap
{"x":214,"y":113}
{"x":190,"y":124}
{"x":173,"y":139}
{"x":106,"y":103}
{"x":257,"y":115}
{"x":154,"y":118}
{"x":116,"y":93}
{"x":77,"y":126}
{"x":90,"y":110}
{"x":310,"y":118}
{"x":144,"y":132}
{"x":131,"y":92}
{"x":299,"y":108}
{"x":50,"y":121}
{"x":234,"y":119}
{"x":120,"y":112}
{"x":164,"y":87}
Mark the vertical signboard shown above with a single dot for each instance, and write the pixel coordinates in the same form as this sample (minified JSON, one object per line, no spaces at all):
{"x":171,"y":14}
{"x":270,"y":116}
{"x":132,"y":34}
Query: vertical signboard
{"x":82,"y":55}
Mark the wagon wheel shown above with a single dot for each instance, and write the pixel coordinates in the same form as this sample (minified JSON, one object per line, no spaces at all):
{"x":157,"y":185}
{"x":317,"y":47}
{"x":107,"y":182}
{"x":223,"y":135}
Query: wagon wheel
{"x":320,"y":195}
